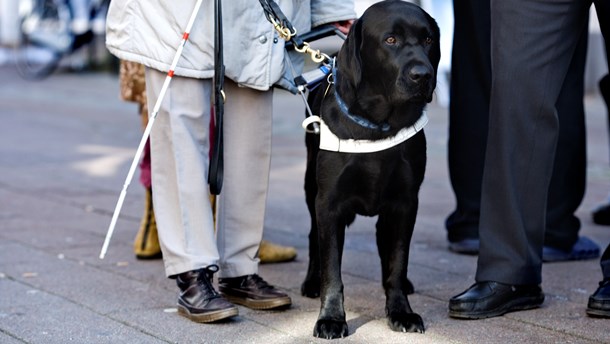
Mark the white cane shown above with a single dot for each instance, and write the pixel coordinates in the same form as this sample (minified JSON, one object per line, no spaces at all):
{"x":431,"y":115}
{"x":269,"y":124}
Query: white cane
{"x":151,"y":120}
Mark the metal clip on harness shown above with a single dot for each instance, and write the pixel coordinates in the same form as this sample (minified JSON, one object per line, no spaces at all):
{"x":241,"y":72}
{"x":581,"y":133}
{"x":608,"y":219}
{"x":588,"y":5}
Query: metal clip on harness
{"x":287,"y":32}
{"x":316,"y":55}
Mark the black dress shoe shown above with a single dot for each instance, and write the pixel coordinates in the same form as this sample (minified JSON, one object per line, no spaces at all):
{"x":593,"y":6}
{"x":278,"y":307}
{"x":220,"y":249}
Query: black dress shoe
{"x":492,"y":299}
{"x":601,"y":215}
{"x":198,"y":299}
{"x":465,"y":246}
{"x":599,"y":302}
{"x":253,"y":292}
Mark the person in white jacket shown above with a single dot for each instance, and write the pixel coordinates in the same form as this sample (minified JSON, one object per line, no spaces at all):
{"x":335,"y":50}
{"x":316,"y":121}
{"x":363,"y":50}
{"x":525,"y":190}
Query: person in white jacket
{"x":149,"y":32}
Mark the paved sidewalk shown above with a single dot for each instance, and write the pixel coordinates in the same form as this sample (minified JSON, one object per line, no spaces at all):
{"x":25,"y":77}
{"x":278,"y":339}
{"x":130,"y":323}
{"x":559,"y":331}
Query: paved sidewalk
{"x":65,"y":148}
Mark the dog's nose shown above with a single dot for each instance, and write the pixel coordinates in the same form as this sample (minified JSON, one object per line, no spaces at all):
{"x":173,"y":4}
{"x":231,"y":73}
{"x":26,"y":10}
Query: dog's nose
{"x":419,"y":73}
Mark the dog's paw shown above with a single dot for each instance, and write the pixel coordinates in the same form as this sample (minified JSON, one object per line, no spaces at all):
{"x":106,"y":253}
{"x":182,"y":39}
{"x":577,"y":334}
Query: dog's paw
{"x":406,"y":322}
{"x":330,"y":329}
{"x":310,"y":288}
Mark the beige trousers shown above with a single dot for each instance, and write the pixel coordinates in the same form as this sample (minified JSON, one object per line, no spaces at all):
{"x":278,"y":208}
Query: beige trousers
{"x":180,"y":160}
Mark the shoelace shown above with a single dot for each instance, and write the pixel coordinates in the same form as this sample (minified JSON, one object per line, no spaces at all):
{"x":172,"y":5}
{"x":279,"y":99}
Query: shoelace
{"x":259,"y":282}
{"x":204,"y":280}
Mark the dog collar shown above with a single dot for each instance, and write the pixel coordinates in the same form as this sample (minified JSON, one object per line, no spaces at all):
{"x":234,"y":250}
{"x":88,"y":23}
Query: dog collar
{"x":330,"y":142}
{"x":363,"y":122}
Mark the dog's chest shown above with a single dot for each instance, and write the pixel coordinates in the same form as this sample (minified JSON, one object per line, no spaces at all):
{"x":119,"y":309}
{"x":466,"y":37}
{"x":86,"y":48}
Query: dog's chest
{"x":368,"y":182}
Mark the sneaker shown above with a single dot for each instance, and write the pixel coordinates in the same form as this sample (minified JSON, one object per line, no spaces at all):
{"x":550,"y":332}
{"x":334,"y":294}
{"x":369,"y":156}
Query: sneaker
{"x":253,"y":292}
{"x":599,"y":302}
{"x":198,"y":299}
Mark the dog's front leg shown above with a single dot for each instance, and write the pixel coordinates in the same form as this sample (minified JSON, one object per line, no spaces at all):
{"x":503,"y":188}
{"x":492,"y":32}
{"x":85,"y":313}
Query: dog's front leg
{"x":311,"y":284}
{"x":331,"y":320}
{"x":394,"y":231}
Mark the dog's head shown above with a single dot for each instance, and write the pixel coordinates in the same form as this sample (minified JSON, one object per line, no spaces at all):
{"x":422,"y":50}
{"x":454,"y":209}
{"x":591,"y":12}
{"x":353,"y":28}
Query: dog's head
{"x":392,"y":50}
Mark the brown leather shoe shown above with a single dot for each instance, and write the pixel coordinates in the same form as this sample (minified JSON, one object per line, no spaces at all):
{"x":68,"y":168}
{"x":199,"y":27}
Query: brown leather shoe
{"x":198,"y":299}
{"x":253,"y":292}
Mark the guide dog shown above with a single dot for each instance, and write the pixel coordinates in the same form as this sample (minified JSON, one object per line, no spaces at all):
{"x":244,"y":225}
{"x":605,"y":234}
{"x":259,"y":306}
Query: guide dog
{"x":385,"y":75}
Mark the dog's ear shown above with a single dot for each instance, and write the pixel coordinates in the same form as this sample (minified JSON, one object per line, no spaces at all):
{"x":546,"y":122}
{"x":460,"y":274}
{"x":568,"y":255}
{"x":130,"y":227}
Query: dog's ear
{"x":435,"y":52}
{"x":348,"y":59}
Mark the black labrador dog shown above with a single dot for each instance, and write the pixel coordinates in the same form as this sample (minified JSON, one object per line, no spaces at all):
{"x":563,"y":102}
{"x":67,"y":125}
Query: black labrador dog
{"x":385,"y":75}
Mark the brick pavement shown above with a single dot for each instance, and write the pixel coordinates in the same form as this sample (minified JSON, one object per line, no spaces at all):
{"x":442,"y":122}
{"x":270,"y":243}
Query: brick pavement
{"x":65,"y":147}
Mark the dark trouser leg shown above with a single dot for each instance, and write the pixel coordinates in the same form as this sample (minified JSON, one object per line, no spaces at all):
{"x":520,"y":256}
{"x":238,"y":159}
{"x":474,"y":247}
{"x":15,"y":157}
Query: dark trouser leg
{"x":568,"y":180}
{"x":603,"y":15}
{"x":605,"y":262}
{"x":468,"y":114}
{"x":532,"y":45}
{"x":468,"y":122}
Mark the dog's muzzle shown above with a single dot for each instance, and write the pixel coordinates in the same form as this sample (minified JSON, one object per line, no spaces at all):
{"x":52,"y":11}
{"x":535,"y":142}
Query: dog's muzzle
{"x":417,"y":83}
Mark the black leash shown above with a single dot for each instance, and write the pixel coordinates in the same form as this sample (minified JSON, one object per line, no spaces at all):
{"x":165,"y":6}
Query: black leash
{"x":215,"y":172}
{"x":299,"y":43}
{"x":275,"y":16}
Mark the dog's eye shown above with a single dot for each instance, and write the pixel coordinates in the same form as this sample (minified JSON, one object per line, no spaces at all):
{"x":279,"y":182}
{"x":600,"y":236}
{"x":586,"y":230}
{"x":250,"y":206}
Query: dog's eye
{"x":391,"y":40}
{"x":428,"y":41}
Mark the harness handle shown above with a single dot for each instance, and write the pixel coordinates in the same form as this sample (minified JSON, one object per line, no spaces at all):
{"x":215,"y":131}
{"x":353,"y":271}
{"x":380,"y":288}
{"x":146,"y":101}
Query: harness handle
{"x":315,"y":34}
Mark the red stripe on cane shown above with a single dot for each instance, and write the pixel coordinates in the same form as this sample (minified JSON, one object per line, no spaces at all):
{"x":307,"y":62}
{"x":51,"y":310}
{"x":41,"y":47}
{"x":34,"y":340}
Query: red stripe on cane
{"x":170,"y":73}
{"x":185,"y":36}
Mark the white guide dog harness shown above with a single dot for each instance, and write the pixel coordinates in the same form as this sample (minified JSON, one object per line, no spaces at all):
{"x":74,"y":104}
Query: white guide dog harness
{"x":330,"y":142}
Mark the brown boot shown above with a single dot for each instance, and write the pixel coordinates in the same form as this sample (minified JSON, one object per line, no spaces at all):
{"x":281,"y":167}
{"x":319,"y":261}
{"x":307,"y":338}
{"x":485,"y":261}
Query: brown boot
{"x":146,"y":243}
{"x":273,"y":253}
{"x":198,"y":299}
